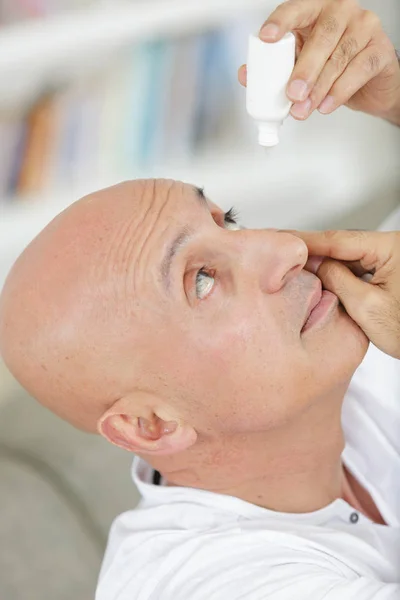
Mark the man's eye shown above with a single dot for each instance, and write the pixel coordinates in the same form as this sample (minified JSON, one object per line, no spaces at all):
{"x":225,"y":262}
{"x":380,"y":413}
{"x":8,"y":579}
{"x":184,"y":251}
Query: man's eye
{"x":231,"y":220}
{"x":204,"y":284}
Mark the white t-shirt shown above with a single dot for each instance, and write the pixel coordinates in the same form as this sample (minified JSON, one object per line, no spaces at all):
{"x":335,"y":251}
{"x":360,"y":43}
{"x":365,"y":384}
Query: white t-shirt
{"x":189,"y":544}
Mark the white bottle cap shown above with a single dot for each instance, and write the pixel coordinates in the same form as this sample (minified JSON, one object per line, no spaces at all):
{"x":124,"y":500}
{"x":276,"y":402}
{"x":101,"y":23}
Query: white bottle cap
{"x":268,"y":133}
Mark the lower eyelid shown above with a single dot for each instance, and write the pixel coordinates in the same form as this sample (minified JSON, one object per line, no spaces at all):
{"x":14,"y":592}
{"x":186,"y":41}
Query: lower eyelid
{"x":233,"y":226}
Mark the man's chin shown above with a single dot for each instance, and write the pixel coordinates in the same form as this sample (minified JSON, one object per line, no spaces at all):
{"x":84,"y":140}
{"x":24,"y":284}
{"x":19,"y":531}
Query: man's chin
{"x":340,"y":333}
{"x":340,"y":346}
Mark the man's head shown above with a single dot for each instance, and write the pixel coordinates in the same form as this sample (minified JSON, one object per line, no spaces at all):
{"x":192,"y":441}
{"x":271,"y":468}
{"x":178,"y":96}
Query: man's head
{"x":143,"y":312}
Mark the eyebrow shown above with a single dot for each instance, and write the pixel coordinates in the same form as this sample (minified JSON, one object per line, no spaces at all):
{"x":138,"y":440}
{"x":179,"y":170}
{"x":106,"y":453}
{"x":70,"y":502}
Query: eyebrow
{"x":201,"y":196}
{"x":179,"y":242}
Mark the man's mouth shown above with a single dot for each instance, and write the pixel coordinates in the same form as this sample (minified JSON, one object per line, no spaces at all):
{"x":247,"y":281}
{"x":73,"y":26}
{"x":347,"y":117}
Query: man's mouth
{"x":319,"y":307}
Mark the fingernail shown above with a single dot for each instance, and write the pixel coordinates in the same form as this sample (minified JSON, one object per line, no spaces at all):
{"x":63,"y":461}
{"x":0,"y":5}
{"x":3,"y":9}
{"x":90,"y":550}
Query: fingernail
{"x":301,"y":110}
{"x":327,"y":105}
{"x":314,"y":263}
{"x":298,"y":90}
{"x":269,"y":32}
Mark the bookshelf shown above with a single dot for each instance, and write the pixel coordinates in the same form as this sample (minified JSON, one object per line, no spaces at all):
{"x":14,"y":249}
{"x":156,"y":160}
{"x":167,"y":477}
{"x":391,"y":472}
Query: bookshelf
{"x":35,"y":52}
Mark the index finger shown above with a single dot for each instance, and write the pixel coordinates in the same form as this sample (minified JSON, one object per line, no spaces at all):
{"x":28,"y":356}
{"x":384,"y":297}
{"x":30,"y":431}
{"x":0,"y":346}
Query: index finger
{"x":368,"y":247}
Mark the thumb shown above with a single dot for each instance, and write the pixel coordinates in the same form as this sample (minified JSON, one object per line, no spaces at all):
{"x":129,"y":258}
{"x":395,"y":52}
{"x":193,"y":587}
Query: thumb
{"x":356,"y":295}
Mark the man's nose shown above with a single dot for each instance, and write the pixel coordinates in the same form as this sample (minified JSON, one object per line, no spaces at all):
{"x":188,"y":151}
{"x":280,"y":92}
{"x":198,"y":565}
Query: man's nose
{"x":272,"y":257}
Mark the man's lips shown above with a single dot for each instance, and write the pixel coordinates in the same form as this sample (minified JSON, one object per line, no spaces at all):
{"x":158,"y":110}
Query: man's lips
{"x":320,"y":305}
{"x":315,"y":299}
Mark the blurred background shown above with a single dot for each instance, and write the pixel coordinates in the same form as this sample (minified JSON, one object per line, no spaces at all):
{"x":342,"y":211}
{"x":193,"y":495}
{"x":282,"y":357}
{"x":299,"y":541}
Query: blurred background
{"x":94,"y":92}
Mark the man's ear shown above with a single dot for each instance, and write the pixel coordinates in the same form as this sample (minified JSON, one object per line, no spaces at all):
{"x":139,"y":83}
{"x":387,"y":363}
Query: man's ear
{"x":138,"y":423}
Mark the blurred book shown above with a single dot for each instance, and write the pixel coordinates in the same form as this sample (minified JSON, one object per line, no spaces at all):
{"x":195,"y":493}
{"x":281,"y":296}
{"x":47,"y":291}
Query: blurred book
{"x":87,"y":115}
{"x":160,"y":102}
{"x":12,"y":136}
{"x":14,"y":11}
{"x":182,"y":100}
{"x":37,"y":148}
{"x":149,"y":69}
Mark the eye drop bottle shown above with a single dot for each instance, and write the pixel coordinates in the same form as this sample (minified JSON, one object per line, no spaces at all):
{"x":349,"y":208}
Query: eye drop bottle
{"x":269,"y":67}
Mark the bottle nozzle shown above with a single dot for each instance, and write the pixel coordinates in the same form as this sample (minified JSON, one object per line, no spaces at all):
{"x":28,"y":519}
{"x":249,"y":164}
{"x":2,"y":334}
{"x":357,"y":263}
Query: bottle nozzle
{"x":268,"y":133}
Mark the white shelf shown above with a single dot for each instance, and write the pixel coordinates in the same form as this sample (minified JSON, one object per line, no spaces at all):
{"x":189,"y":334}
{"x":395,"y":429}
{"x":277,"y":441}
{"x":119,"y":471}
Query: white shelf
{"x":36,"y":52}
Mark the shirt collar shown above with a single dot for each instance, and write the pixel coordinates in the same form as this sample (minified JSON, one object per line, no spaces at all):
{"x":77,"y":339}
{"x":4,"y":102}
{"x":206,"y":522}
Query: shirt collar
{"x":156,"y":495}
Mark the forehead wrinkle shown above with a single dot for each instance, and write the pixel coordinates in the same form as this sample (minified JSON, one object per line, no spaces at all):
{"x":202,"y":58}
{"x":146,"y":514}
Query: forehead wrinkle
{"x":156,"y":219}
{"x":156,"y":204}
{"x":134,"y":240}
{"x":155,"y":209}
{"x":117,"y":259}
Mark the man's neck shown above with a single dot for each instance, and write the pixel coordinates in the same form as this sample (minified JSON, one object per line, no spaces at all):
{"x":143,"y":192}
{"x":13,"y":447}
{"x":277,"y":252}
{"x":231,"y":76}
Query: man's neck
{"x":296,"y":468}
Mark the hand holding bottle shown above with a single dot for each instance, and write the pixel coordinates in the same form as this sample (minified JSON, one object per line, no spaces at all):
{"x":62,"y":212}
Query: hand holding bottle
{"x":343,"y":57}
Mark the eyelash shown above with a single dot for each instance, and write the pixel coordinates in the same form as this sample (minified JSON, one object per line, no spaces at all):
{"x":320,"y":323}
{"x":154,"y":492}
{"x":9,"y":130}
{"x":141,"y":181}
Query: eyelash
{"x":231,"y":217}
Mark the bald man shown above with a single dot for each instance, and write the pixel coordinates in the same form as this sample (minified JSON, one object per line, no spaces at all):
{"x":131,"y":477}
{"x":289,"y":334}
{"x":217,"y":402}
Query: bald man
{"x":145,"y":313}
